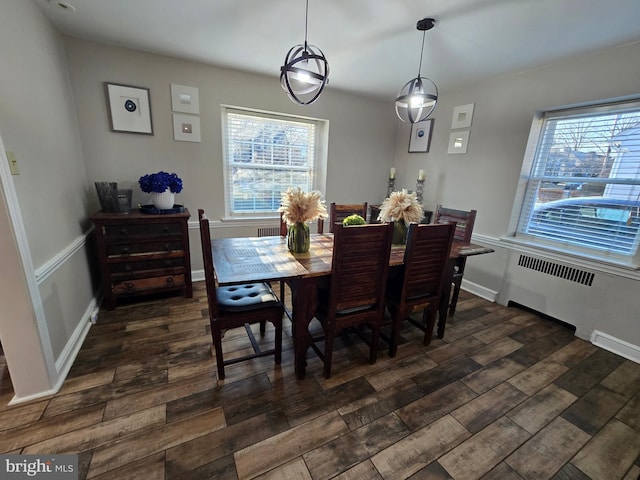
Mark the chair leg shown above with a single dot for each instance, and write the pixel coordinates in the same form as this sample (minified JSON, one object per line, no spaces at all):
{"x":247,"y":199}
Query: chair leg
{"x":395,"y":331}
{"x":429,"y":318}
{"x":263,"y":327}
{"x":217,"y":344}
{"x":454,"y":298}
{"x":278,"y":341}
{"x":375,"y":338}
{"x":328,"y":352}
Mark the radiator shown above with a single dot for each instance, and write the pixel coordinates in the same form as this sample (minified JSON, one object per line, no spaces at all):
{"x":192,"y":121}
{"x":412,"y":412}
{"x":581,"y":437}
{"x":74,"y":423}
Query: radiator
{"x":553,"y":288}
{"x":268,"y":231}
{"x":556,"y":269}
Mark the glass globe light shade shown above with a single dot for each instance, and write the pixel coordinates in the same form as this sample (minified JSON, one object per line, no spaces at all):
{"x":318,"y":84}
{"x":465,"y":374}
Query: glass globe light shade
{"x":416,"y":100}
{"x":304,"y":74}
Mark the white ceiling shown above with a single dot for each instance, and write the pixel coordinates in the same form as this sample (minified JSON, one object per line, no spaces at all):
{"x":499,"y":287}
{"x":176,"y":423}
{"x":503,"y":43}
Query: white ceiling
{"x":372,"y":46}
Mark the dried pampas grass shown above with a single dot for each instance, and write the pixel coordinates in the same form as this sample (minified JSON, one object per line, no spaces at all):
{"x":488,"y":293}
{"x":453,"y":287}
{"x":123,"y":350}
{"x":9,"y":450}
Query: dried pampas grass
{"x":401,"y":206}
{"x":299,"y":206}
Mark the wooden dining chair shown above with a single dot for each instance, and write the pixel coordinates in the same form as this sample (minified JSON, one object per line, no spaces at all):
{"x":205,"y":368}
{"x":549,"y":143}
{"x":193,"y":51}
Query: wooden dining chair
{"x":464,"y":228}
{"x":354,"y":296}
{"x":338,"y":212}
{"x":418,"y":284}
{"x":238,"y":305}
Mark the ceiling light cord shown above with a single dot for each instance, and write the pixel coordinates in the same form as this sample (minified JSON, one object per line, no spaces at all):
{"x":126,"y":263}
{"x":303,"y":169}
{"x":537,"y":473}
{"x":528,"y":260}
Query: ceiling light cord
{"x":306,"y":24}
{"x":421,"y":54}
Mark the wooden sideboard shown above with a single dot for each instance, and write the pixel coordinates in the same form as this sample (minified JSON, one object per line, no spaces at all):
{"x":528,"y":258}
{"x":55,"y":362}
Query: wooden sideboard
{"x":142,"y":254}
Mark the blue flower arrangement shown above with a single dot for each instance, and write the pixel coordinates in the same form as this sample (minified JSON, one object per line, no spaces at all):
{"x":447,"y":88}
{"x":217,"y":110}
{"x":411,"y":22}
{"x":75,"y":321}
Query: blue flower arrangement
{"x":159,"y":182}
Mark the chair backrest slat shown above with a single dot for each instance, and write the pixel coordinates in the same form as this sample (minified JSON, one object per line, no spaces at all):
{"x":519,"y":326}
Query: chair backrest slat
{"x":426,"y":258}
{"x":338,"y":212}
{"x":464,"y":221}
{"x":360,"y":265}
{"x":207,"y":257}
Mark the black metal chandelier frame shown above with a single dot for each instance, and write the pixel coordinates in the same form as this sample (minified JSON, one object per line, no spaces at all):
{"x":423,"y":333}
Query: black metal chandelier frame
{"x":304,"y":54}
{"x":418,"y":97}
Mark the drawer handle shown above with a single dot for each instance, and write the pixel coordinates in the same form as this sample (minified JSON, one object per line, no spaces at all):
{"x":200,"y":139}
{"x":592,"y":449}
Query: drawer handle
{"x":167,"y":263}
{"x":125,"y":251}
{"x":124,"y":232}
{"x":129,"y":285}
{"x":167,"y":247}
{"x":128,"y":269}
{"x":165,"y":229}
{"x":169,"y":280}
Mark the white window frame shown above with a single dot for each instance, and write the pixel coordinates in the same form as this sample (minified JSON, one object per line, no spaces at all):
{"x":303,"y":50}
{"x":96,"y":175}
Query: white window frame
{"x":517,"y":223}
{"x":318,"y":174}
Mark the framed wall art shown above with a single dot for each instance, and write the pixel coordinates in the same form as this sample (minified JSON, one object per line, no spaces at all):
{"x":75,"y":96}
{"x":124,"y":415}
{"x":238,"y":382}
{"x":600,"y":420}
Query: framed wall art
{"x":184,"y":99}
{"x":186,"y":128}
{"x":458,"y":142}
{"x":420,"y":136}
{"x":462,"y":116}
{"x":129,"y":109}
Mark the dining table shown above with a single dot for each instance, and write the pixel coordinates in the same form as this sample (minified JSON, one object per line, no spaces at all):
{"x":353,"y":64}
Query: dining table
{"x":267,"y":259}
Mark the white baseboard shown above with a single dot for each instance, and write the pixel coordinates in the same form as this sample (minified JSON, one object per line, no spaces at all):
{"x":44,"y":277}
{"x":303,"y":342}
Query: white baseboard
{"x":197,"y":275}
{"x":615,"y":345}
{"x":30,"y":398}
{"x":68,"y":355}
{"x":71,"y":349}
{"x":479,"y":290}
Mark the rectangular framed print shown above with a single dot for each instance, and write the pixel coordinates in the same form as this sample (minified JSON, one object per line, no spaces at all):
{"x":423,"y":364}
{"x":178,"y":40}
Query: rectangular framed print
{"x":458,"y":142}
{"x":186,"y":128}
{"x":129,"y":109}
{"x":420,"y":136}
{"x":184,"y":99}
{"x":462,"y":116}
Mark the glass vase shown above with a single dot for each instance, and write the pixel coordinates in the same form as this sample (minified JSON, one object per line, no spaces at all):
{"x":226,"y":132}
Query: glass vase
{"x":399,"y":232}
{"x":299,"y":238}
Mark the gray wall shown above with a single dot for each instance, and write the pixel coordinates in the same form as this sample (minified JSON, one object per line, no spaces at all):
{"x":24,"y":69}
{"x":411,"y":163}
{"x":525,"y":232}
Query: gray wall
{"x":361,"y":139}
{"x":38,"y":123}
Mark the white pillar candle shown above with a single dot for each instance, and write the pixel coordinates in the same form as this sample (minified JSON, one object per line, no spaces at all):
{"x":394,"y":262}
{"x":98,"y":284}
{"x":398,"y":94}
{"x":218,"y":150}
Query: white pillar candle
{"x":421,"y":174}
{"x":392,"y":173}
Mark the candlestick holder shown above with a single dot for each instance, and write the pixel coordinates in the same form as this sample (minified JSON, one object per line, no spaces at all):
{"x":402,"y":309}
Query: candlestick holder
{"x":419,"y":190}
{"x":390,"y":186}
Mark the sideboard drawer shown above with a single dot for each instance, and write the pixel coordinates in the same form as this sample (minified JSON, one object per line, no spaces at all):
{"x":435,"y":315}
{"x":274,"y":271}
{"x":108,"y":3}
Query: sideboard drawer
{"x":142,"y":254}
{"x":146,"y":268}
{"x":135,"y":231}
{"x":148,"y":284}
{"x":114,"y":250}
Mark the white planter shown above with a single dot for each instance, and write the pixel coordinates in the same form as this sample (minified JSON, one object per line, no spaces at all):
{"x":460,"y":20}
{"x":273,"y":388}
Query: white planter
{"x":164,"y":200}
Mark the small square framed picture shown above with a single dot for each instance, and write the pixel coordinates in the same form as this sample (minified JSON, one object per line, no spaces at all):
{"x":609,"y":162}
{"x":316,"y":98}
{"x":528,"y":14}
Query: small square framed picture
{"x":462,"y":116}
{"x":186,"y":128}
{"x":458,"y":142}
{"x":184,"y":99}
{"x":420,"y":136}
{"x":129,"y":108}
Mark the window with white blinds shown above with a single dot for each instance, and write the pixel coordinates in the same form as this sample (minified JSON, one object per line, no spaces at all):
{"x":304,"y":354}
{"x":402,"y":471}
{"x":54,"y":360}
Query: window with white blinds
{"x":265,"y":154}
{"x":583,"y":189}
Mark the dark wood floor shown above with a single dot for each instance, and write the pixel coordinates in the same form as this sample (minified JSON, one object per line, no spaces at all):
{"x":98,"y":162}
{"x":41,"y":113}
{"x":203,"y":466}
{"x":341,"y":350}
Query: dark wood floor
{"x":505,"y":395}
